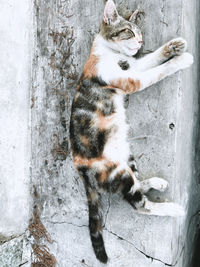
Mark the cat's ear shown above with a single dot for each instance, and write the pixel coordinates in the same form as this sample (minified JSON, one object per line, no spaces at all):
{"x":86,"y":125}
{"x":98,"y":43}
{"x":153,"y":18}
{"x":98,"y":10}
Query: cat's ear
{"x":110,"y":12}
{"x":133,"y":17}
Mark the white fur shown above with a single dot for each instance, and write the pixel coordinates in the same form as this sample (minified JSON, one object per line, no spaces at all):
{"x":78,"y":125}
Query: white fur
{"x":162,"y":209}
{"x":108,"y":68}
{"x":147,"y":70}
{"x":155,"y":183}
{"x":121,"y":167}
{"x":117,"y":147}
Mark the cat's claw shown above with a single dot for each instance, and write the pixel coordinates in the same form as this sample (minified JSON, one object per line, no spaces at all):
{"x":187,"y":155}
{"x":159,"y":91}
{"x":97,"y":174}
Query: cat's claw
{"x":175,"y":47}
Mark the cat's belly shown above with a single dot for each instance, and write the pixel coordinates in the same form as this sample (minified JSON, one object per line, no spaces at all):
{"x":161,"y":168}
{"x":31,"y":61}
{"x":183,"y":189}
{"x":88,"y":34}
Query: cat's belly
{"x":117,"y":147}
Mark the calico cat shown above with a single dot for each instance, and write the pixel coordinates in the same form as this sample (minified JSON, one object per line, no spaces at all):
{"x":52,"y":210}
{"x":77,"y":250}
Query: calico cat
{"x":98,"y":127}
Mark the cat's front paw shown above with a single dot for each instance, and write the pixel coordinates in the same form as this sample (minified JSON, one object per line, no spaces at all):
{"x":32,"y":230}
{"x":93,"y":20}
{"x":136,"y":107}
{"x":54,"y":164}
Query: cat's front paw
{"x":183,"y":61}
{"x":175,"y":47}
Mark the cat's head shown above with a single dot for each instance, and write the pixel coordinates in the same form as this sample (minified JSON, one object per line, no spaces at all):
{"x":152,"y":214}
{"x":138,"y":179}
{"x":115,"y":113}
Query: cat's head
{"x":120,"y":34}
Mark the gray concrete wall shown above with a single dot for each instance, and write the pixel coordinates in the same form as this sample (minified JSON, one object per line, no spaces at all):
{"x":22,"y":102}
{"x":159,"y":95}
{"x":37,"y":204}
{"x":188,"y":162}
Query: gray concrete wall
{"x":15,"y":86}
{"x":163,"y":140}
{"x":15,"y":62}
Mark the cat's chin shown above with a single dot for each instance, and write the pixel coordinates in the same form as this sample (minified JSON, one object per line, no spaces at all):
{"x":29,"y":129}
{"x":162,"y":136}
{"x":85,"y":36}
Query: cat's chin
{"x":131,"y":52}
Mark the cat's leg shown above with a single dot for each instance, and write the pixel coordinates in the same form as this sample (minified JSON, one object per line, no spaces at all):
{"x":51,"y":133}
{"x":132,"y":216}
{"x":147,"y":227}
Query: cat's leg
{"x":133,"y":81}
{"x":123,"y":178}
{"x":153,"y":208}
{"x":158,"y":73}
{"x":156,"y":183}
{"x":175,"y":47}
{"x":142,"y":205}
{"x":133,"y":191}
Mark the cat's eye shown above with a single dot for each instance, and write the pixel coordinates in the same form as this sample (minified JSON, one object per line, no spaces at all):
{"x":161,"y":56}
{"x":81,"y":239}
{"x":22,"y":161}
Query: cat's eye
{"x":115,"y":34}
{"x":130,"y":33}
{"x":126,"y":34}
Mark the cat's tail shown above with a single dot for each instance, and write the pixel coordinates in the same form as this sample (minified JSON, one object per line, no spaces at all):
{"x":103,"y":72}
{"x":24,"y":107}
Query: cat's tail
{"x":95,"y":226}
{"x":95,"y":217}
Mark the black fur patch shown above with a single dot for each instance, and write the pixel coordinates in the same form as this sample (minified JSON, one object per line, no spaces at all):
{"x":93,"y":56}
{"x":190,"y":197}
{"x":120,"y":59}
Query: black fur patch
{"x":131,"y":163}
{"x":133,"y":199}
{"x":83,"y":172}
{"x":108,"y":108}
{"x":99,"y":81}
{"x":131,"y":158}
{"x":133,"y":168}
{"x":127,"y":184}
{"x":99,"y":249}
{"x":91,"y":92}
{"x":124,"y":65}
{"x":137,"y":197}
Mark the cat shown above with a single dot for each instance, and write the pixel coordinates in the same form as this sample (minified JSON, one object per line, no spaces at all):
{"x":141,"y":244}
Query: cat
{"x":98,"y":127}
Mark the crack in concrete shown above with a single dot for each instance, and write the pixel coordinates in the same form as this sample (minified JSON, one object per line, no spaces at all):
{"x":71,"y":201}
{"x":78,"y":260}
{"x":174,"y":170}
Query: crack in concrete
{"x":70,"y":223}
{"x":23,"y":263}
{"x":130,"y":243}
{"x":144,"y":137}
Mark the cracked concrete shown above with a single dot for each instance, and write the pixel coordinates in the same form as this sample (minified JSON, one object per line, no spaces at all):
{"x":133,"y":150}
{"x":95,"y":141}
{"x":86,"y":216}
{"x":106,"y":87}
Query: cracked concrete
{"x":149,"y":257}
{"x":163,"y":137}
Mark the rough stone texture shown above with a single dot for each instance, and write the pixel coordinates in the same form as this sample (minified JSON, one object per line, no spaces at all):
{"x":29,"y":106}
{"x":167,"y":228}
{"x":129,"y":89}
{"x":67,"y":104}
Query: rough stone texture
{"x":163,"y":139}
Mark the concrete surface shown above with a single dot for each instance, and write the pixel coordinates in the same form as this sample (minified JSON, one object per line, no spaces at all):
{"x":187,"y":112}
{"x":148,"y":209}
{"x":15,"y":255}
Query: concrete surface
{"x":15,"y":85}
{"x":163,"y":139}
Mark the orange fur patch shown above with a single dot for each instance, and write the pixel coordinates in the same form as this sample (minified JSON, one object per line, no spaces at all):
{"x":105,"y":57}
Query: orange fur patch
{"x":109,"y":166}
{"x":90,"y":68}
{"x":127,"y":85}
{"x":103,"y":121}
{"x":84,"y":140}
{"x":104,"y":166}
{"x":79,"y":161}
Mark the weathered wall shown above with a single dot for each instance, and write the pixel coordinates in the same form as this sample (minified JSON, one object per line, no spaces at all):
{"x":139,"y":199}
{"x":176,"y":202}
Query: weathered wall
{"x":15,"y":86}
{"x":163,"y":137}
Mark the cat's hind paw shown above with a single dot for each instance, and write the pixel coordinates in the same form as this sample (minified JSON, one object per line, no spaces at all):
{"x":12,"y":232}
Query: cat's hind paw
{"x":154,"y":183}
{"x":175,"y":47}
{"x":162,"y":209}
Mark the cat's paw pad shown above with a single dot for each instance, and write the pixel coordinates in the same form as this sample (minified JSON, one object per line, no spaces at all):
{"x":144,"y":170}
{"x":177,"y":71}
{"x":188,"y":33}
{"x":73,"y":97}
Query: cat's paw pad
{"x":175,"y":47}
{"x":184,"y":61}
